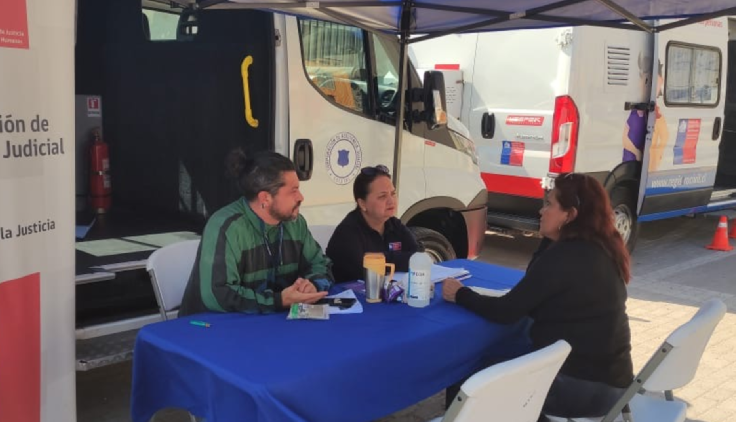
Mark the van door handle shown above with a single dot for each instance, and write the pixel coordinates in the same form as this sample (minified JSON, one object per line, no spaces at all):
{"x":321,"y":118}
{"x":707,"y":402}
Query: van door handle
{"x":487,"y":125}
{"x":716,"y":128}
{"x":628,"y":105}
{"x":303,"y":158}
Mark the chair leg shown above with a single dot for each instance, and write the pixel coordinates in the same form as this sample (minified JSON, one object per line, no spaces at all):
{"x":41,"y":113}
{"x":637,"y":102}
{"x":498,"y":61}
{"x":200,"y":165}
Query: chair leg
{"x":626,"y":413}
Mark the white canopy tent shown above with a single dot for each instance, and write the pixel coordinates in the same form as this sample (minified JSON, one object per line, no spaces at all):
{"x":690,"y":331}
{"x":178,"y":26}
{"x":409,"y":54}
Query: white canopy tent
{"x":416,"y":20}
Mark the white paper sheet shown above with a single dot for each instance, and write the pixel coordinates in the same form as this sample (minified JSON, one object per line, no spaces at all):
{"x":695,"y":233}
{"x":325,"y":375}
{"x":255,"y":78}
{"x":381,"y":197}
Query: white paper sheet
{"x":357,"y":308}
{"x":439,"y":273}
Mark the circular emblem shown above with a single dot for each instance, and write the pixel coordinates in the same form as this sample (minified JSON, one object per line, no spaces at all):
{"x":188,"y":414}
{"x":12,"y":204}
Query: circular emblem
{"x":343,"y":158}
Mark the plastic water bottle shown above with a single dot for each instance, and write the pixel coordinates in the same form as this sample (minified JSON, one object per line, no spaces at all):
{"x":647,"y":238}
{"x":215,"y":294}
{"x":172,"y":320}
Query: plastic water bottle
{"x":420,"y":280}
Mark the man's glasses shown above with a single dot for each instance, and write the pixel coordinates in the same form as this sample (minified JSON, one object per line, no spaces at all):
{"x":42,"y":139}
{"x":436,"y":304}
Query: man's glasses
{"x":372,"y":171}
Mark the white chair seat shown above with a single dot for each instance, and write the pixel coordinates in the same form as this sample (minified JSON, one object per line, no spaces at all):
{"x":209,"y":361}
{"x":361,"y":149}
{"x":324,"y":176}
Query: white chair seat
{"x":644,"y":409}
{"x":654,"y":409}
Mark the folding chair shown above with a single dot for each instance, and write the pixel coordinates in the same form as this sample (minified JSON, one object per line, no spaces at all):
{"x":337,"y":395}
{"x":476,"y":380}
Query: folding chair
{"x":512,"y":391}
{"x":322,"y":234}
{"x":169,"y":268}
{"x":672,"y":366}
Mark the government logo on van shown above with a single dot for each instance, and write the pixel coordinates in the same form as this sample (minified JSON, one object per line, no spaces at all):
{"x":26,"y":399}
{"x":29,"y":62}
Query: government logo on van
{"x":343,"y":158}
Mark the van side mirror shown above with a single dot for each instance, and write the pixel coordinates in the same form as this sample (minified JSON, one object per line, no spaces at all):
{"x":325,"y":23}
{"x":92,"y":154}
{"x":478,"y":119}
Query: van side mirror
{"x":435,"y":103}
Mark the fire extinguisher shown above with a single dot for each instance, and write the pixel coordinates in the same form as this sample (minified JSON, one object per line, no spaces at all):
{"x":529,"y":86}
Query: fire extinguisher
{"x":100,"y":188}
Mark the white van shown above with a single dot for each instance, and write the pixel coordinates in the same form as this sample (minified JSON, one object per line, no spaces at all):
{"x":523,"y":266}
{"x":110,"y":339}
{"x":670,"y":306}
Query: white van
{"x":546,"y":101}
{"x":177,"y":89}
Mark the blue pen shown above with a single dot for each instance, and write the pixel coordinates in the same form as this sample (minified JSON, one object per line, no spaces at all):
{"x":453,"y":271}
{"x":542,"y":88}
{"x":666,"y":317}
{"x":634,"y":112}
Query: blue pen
{"x":200,"y":323}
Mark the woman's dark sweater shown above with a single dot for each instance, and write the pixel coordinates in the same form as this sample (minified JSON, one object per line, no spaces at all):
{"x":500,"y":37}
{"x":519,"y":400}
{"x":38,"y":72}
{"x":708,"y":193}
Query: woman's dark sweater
{"x":353,"y":237}
{"x":572,"y":291}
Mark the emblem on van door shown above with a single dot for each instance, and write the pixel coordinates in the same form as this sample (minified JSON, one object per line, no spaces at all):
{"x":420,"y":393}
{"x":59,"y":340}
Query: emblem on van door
{"x":525,"y":136}
{"x":343,"y":158}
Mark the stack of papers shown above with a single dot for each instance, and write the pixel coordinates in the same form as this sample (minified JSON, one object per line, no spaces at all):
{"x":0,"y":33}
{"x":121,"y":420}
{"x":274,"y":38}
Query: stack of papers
{"x":440,"y":273}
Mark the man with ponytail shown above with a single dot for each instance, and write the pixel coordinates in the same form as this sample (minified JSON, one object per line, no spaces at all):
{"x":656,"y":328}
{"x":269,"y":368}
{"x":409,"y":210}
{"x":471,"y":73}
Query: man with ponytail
{"x":257,"y":254}
{"x":575,"y":290}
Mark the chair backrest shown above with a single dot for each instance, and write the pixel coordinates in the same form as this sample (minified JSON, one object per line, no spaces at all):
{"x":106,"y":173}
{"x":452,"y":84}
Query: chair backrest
{"x":322,"y":234}
{"x":688,"y":344}
{"x":169,"y":269}
{"x":512,"y":391}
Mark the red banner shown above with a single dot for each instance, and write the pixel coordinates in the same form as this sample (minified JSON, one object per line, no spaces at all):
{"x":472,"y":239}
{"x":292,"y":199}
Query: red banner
{"x":14,"y":24}
{"x":20,"y":349}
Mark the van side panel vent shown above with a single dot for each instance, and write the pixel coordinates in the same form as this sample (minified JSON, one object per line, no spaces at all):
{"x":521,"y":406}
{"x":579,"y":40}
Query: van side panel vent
{"x":618,"y":63}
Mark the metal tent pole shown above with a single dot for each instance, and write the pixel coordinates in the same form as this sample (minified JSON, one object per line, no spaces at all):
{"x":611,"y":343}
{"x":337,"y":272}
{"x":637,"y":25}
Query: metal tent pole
{"x":407,"y":9}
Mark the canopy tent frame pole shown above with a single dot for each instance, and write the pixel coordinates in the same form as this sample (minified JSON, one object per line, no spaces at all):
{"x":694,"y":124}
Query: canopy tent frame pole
{"x":407,"y":11}
{"x":626,"y":14}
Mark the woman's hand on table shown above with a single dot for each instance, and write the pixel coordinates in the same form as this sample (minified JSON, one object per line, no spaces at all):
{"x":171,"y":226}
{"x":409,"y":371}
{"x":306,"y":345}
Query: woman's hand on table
{"x":450,"y":286}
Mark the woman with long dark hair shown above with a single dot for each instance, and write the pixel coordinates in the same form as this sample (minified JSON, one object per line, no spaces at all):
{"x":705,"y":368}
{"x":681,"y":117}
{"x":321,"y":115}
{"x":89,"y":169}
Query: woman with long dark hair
{"x":574,"y":289}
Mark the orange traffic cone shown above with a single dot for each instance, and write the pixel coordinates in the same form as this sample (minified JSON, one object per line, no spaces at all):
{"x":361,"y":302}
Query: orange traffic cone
{"x":720,"y":240}
{"x":732,"y":233}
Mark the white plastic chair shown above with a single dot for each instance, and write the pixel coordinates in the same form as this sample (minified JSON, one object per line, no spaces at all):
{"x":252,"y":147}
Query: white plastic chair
{"x":672,"y":366}
{"x":322,"y":234}
{"x":512,"y":391}
{"x":170,"y":268}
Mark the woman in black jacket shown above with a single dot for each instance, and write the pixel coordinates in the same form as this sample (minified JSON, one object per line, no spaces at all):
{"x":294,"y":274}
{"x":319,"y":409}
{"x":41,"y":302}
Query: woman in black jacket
{"x":370,"y":227}
{"x":574,"y":289}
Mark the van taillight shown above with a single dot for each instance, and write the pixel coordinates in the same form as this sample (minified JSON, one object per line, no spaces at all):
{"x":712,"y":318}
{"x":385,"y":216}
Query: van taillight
{"x":564,"y":135}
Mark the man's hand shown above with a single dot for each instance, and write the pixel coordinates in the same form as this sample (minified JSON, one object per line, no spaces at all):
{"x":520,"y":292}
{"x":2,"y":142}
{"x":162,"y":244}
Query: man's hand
{"x":291,"y":295}
{"x":450,"y":286}
{"x":304,"y":286}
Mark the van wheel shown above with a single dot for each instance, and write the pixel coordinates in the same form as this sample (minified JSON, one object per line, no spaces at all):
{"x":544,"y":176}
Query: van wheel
{"x":623,"y":202}
{"x":434,"y":243}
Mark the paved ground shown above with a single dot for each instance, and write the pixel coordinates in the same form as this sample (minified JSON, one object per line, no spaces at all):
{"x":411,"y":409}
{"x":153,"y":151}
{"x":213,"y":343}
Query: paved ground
{"x":673,"y":275}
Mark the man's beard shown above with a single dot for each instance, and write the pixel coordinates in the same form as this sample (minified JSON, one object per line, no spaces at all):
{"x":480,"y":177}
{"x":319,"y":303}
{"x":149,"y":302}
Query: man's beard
{"x":285,"y":216}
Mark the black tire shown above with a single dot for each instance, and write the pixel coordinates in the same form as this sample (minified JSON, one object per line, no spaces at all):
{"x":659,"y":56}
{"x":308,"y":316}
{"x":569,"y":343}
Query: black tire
{"x":434,"y":243}
{"x":623,"y":202}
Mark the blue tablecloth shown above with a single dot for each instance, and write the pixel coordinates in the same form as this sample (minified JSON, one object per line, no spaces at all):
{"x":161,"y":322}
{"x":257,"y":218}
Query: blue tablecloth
{"x":351,"y":368}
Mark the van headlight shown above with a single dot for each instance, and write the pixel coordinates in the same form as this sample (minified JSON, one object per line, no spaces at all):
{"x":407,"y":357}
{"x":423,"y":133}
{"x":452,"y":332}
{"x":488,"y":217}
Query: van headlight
{"x":464,"y":145}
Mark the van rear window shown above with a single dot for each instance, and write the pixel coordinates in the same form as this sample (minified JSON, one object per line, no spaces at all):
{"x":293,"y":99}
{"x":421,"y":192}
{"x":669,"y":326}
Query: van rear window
{"x":692,"y":75}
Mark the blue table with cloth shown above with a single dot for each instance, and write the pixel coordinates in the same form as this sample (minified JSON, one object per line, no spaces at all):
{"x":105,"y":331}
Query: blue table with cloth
{"x":350,"y":368}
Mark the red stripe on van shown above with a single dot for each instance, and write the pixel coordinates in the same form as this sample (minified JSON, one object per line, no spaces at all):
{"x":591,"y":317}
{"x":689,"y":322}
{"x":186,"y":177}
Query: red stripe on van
{"x":447,"y":67}
{"x":513,"y":185}
{"x":20,"y":349}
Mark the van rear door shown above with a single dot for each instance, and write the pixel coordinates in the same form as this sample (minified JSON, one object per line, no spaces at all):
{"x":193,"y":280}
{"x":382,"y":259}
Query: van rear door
{"x":516,"y":79}
{"x":682,"y":151}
